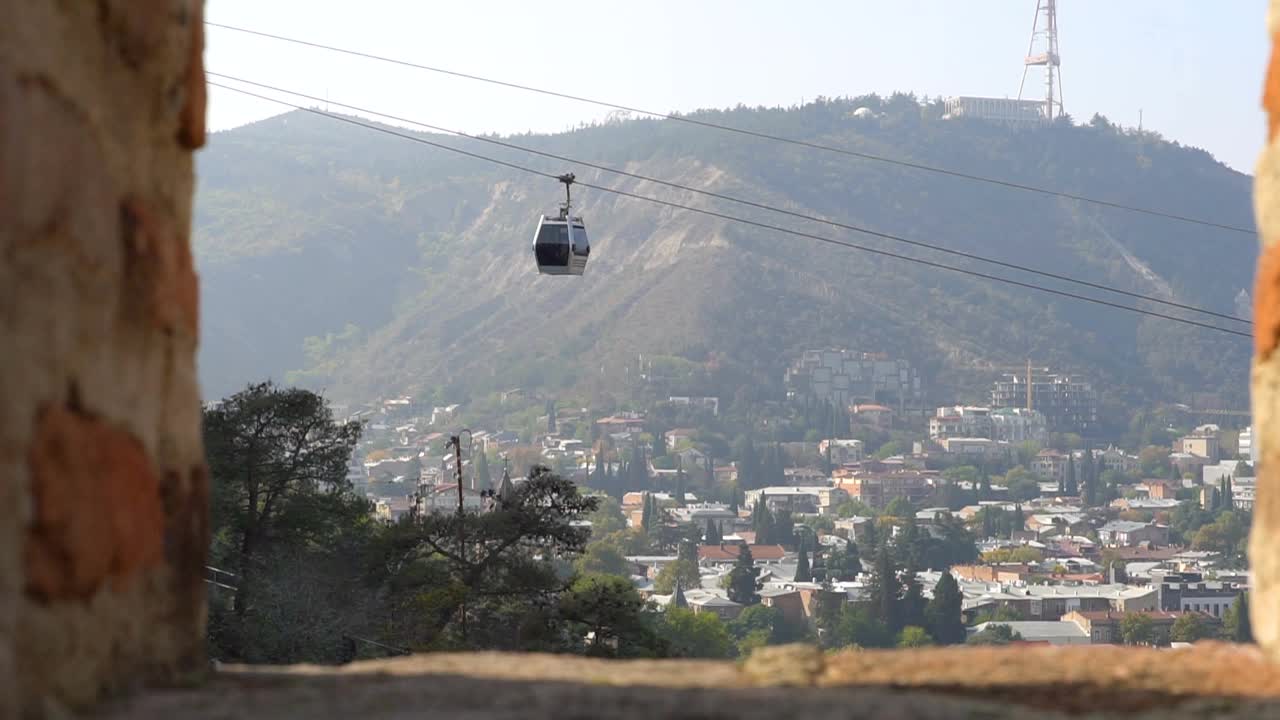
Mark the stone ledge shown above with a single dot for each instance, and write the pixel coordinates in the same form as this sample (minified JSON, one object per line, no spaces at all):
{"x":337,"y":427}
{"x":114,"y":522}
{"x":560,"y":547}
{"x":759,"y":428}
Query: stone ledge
{"x":1210,"y":680}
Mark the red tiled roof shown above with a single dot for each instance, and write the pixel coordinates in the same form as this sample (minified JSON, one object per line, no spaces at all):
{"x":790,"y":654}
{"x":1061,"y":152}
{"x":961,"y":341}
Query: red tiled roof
{"x":730,"y":552}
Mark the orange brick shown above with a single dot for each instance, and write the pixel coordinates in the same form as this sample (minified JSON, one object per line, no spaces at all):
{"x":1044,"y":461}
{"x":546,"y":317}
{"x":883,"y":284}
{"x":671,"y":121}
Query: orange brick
{"x":1271,"y":90}
{"x":98,"y":514}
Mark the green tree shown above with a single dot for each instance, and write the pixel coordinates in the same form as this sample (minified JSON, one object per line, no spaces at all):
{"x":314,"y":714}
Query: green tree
{"x":612,"y":612}
{"x":551,"y":416}
{"x":1189,"y":628}
{"x":995,"y":635}
{"x":913,"y":636}
{"x":843,"y":563}
{"x":1137,"y":629}
{"x":850,"y":508}
{"x":762,"y":523}
{"x":803,"y":571}
{"x":1071,"y":486}
{"x":504,"y":563}
{"x":900,"y":507}
{"x":1237,"y":626}
{"x":743,"y":584}
{"x":607,"y":518}
{"x":603,"y":557}
{"x":859,"y":627}
{"x":278,"y":462}
{"x":943,"y":612}
{"x":712,"y":535}
{"x":884,"y":591}
{"x":1023,"y":486}
{"x":691,"y":635}
{"x":684,"y":570}
{"x":483,"y":479}
{"x":912,"y":608}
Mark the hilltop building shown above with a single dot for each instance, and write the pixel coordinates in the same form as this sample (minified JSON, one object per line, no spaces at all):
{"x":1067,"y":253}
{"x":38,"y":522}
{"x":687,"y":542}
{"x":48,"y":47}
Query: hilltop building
{"x":1068,"y":403}
{"x":843,"y":377}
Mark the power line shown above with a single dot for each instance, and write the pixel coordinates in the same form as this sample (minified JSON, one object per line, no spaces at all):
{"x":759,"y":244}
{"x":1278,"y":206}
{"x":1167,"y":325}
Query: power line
{"x":752,"y":133}
{"x":732,"y":218}
{"x":762,"y":206}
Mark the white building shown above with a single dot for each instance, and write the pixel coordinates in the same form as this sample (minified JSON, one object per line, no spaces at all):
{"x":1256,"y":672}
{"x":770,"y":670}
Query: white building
{"x":843,"y":451}
{"x":1017,"y":425}
{"x":1005,"y":110}
{"x":1248,"y":448}
{"x":961,"y":421}
{"x":820,"y":499}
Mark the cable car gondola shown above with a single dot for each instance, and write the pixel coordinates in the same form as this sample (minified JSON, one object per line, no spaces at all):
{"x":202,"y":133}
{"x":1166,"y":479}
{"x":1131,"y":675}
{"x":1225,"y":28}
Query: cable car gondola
{"x":560,"y":244}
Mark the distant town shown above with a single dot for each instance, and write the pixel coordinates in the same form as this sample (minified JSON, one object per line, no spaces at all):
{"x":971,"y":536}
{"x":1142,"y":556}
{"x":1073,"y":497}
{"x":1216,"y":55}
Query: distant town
{"x":1048,"y":536}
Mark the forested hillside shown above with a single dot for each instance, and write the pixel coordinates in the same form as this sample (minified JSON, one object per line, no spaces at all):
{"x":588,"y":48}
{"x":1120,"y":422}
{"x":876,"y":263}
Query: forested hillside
{"x":364,"y":264}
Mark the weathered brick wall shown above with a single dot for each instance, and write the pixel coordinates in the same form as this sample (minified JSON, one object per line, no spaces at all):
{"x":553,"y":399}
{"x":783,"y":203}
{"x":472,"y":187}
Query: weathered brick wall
{"x":102,"y":483}
{"x":1264,"y":544}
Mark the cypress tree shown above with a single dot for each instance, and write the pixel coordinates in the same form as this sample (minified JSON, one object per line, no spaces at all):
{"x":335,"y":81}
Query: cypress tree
{"x":1071,"y":485}
{"x":803,"y":572}
{"x":885,"y":591}
{"x":742,"y":578}
{"x":1019,"y":520}
{"x":944,"y":612}
{"x":733,"y":498}
{"x":483,"y":480}
{"x":680,"y":487}
{"x":551,"y":416}
{"x":710,"y":466}
{"x":646,"y":513}
{"x":1244,"y":625}
{"x":913,"y":603}
{"x":713,"y":535}
{"x":659,"y":444}
{"x":1228,"y":493}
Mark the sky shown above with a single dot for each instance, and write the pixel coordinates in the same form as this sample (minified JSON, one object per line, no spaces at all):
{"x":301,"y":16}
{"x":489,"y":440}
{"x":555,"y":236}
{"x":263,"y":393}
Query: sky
{"x":1194,"y":69}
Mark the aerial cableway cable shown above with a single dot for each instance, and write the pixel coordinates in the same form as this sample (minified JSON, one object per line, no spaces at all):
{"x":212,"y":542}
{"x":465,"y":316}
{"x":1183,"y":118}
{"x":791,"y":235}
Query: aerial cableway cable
{"x":750,"y":203}
{"x":732,"y":218}
{"x":752,"y":133}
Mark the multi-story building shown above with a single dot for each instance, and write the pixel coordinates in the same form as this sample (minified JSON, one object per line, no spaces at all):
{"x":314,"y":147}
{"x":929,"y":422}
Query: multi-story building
{"x":842,"y":451}
{"x":1017,"y":425}
{"x":1068,"y":403}
{"x":1248,"y":449}
{"x":972,"y":447}
{"x":1050,"y":465}
{"x":961,"y":421}
{"x":1115,"y":459}
{"x":1127,"y":533}
{"x":1199,"y":444}
{"x":878,"y":489}
{"x":1190,"y":592}
{"x":820,"y":499}
{"x":842,"y":377}
{"x":1103,"y":626}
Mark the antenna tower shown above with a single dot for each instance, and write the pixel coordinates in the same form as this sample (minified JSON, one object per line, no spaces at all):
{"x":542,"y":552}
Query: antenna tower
{"x":1043,"y":52}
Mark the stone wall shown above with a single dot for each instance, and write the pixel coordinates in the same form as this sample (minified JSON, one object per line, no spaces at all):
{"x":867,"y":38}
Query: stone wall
{"x":103,"y":526}
{"x":1265,"y":537}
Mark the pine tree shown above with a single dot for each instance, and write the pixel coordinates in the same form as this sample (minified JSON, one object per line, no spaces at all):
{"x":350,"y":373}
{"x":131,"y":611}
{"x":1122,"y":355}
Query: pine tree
{"x":944,"y":612}
{"x":885,"y":591}
{"x":852,"y":562}
{"x":551,"y":416}
{"x":1070,"y":484}
{"x":742,"y":578}
{"x":804,"y":573}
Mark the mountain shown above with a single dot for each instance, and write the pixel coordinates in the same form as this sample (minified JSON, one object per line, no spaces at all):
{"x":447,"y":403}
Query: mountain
{"x":365,"y":264}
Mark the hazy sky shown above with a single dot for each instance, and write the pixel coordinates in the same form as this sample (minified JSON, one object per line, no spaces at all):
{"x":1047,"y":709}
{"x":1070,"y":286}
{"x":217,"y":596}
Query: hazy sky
{"x":1193,"y":67}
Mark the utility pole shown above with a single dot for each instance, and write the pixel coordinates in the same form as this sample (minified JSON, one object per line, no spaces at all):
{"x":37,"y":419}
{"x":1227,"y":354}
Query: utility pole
{"x":456,"y":442}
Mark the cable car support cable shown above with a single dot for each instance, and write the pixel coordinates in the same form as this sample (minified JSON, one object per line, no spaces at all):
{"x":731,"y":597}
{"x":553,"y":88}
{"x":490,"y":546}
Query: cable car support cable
{"x":752,"y":133}
{"x":744,"y":221}
{"x":750,"y":203}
